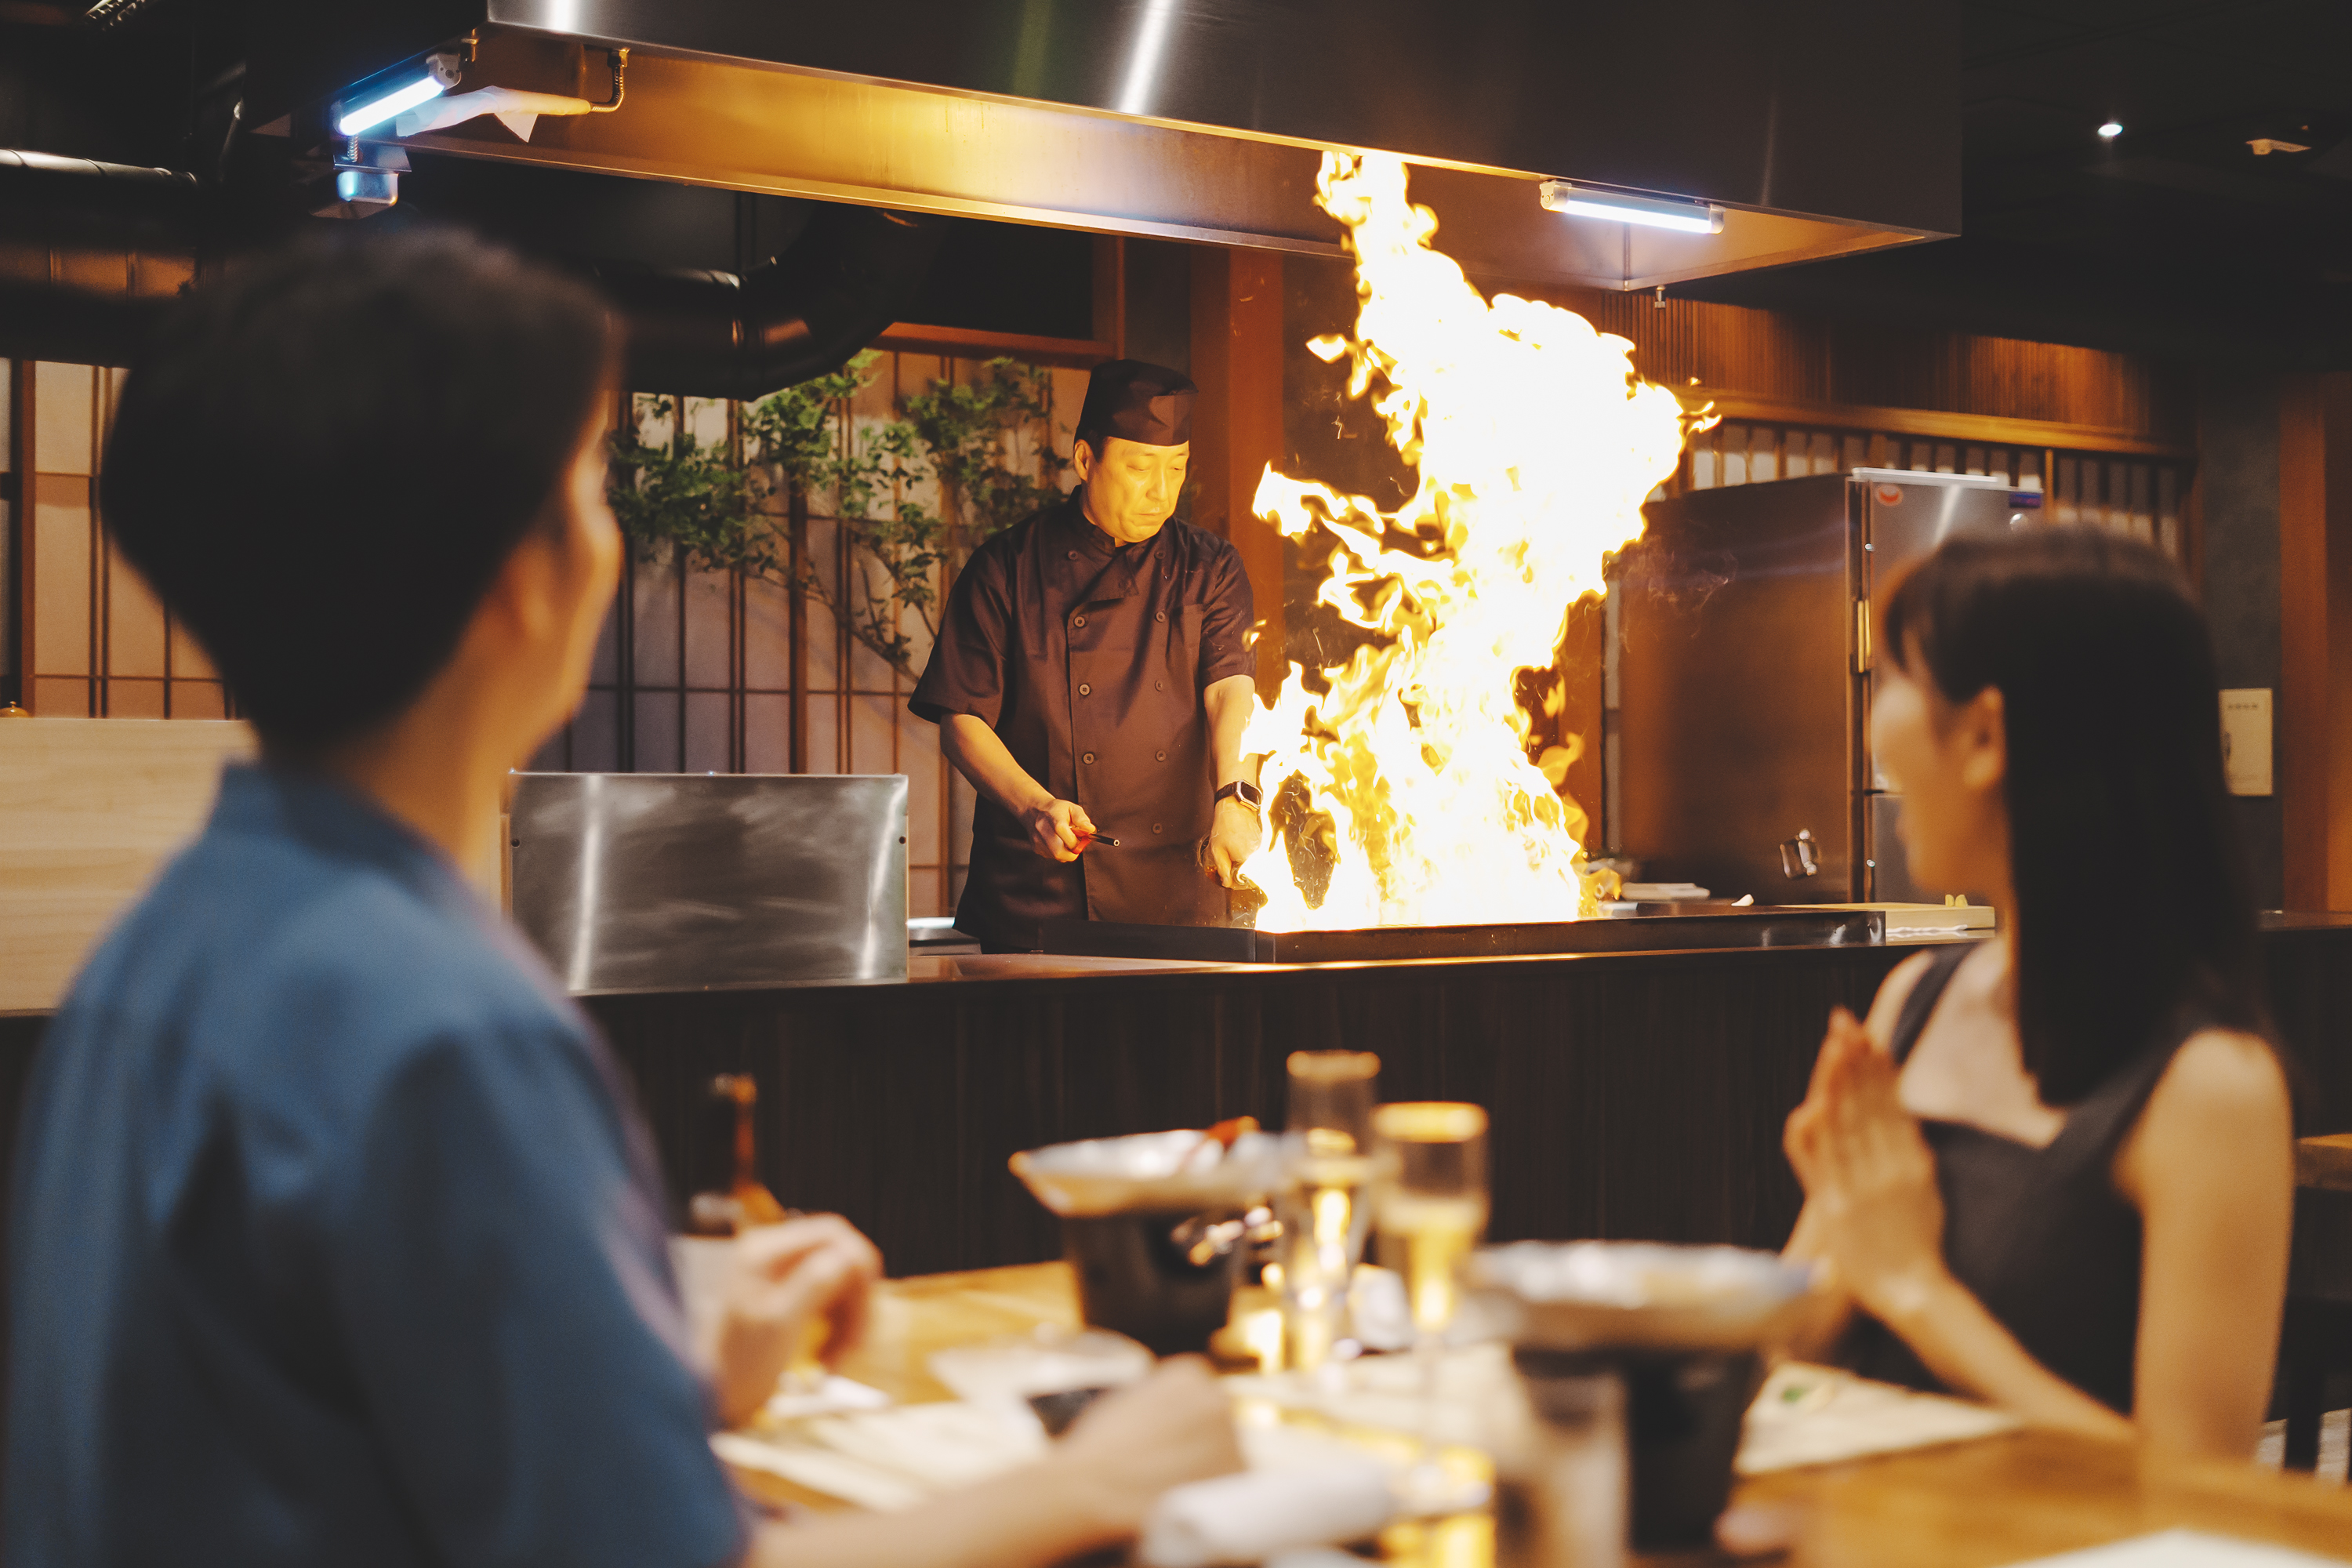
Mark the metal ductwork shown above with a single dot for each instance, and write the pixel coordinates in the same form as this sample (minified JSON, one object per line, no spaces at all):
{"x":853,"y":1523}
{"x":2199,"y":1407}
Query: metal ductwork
{"x":714,"y":334}
{"x":1804,"y":130}
{"x":90,"y":251}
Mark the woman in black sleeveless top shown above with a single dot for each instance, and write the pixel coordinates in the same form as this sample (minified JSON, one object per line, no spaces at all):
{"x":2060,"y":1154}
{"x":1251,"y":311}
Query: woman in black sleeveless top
{"x":2055,"y":1170}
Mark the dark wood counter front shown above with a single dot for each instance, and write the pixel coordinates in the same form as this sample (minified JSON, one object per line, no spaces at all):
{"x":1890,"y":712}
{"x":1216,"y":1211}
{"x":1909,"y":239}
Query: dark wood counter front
{"x":1633,"y":1094}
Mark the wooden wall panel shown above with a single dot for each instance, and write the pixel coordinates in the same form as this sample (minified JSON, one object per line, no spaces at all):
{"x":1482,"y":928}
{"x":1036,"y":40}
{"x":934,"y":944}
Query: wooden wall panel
{"x":1767,"y":355}
{"x":136,"y":643}
{"x":94,"y":642}
{"x":63,"y":607}
{"x":88,"y":808}
{"x":2314,"y":716}
{"x":1237,"y":354}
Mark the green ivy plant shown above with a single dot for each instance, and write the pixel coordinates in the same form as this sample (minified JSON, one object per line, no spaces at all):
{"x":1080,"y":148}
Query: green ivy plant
{"x":720,"y":516}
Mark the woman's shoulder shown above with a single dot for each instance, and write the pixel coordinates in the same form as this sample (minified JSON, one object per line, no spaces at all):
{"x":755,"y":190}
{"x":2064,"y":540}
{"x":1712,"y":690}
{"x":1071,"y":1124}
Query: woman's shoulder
{"x":2218,"y":1076}
{"x":2221,"y":1097}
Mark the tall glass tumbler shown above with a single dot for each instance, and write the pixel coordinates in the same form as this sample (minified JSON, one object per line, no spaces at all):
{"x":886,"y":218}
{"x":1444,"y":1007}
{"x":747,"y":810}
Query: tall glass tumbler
{"x":1325,"y":1202}
{"x":1433,"y":1201}
{"x":1432,"y":1209}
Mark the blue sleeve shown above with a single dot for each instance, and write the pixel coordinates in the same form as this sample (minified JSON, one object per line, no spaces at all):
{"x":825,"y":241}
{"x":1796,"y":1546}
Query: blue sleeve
{"x":516,"y":1337}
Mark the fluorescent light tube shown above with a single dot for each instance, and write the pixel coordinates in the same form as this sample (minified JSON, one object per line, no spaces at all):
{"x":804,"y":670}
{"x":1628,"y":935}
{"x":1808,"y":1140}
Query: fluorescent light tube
{"x":382,"y":108}
{"x":1682,"y":217}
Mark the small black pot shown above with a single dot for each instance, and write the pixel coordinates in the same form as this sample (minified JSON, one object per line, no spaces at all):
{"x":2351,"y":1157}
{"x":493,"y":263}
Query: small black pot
{"x":1683,"y":1415}
{"x":1134,"y":1278}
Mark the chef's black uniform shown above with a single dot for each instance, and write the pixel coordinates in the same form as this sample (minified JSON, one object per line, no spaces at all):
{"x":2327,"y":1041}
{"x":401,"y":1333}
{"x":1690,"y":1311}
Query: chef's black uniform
{"x":1088,"y":659}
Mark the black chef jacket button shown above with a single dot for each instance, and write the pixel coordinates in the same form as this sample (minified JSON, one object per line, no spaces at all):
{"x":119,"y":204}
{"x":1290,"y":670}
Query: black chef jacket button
{"x":1077,"y":620}
{"x":1161,"y":617}
{"x":1085,"y":691}
{"x":1163,"y":757}
{"x":1072,"y":554}
{"x":1159,"y":686}
{"x":1155,"y":827}
{"x":1086,"y":756}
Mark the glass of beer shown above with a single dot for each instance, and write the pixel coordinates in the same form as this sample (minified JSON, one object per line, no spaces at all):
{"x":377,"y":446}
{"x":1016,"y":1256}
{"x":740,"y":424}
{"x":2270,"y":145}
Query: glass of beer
{"x":1326,"y":1201}
{"x":1431,"y":1210}
{"x":1433,"y":1201}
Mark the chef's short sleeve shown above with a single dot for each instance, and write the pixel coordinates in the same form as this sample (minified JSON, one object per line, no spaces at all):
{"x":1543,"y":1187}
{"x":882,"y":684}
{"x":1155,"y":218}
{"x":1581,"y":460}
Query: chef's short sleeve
{"x":1228,"y":613}
{"x":967,"y":669}
{"x":504,"y":1284}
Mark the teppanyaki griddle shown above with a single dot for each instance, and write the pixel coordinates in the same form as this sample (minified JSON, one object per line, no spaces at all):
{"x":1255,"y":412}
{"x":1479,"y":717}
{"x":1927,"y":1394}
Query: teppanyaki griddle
{"x":1792,"y":925}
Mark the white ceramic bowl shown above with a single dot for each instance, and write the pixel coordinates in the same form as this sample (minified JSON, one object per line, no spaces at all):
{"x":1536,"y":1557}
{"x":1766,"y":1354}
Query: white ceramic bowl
{"x":1581,"y":1294}
{"x":1183,"y":1170}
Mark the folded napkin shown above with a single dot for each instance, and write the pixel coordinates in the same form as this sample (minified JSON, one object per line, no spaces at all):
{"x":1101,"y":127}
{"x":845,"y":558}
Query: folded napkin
{"x":889,"y":1458}
{"x":1252,"y":1516}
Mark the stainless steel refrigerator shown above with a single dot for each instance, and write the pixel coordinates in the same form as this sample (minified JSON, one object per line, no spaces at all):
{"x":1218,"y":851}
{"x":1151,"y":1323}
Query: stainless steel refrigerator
{"x":1740,"y":680}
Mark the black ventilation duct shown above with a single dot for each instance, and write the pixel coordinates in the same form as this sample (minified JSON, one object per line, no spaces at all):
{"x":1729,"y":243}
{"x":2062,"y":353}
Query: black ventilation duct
{"x":713,"y":335}
{"x":90,"y":251}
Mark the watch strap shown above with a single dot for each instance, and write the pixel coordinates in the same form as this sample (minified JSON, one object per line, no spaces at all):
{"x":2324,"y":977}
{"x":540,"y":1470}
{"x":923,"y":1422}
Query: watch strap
{"x":1248,"y":793}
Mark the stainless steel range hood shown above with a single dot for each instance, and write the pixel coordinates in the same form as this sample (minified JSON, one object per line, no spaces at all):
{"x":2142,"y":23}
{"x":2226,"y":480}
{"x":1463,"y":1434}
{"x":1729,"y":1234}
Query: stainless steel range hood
{"x":1822,"y":127}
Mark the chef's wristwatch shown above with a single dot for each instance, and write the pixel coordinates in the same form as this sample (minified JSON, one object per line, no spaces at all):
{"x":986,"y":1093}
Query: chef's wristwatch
{"x":1242,"y":790}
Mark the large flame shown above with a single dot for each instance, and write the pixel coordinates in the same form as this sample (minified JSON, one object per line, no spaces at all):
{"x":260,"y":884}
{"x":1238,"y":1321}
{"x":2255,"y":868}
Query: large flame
{"x":1535,"y":445}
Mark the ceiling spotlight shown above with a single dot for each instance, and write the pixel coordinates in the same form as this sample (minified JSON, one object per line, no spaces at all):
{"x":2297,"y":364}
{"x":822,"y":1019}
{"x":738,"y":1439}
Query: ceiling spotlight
{"x":2111,"y":130}
{"x":1651,"y":212}
{"x":2264,"y":146}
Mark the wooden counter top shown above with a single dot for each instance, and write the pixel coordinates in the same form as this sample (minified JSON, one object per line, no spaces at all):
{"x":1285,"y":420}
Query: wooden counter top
{"x":1973,"y":1505}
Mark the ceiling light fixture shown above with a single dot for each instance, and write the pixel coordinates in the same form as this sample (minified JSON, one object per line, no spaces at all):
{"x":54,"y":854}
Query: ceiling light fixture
{"x":2111,"y":130}
{"x":2265,"y":145}
{"x":383,"y":98}
{"x":1650,"y":212}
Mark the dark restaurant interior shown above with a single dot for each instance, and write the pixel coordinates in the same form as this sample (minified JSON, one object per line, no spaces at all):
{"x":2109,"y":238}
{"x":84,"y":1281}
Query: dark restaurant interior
{"x":659,"y":994}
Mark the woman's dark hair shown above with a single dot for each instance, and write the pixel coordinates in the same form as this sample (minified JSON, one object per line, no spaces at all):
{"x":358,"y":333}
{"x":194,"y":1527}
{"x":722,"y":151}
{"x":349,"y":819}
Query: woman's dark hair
{"x":2133,"y":904}
{"x":323,"y":459}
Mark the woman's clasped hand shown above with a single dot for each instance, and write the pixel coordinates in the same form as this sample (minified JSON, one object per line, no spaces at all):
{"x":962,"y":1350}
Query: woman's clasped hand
{"x":1868,"y":1174}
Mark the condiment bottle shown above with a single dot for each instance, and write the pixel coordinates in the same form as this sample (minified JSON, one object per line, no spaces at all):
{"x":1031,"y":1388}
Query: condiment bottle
{"x":746,"y":1202}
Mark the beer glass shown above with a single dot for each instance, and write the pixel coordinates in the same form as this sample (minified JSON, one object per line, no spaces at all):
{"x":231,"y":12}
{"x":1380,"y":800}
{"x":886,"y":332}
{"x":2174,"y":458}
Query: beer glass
{"x":1432,"y":1202}
{"x":1324,"y":1204}
{"x":1431,"y":1210}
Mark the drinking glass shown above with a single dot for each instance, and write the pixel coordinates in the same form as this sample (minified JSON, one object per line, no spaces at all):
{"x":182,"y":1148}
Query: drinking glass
{"x":1324,"y":1204}
{"x":1433,"y":1202}
{"x":1560,"y":1471}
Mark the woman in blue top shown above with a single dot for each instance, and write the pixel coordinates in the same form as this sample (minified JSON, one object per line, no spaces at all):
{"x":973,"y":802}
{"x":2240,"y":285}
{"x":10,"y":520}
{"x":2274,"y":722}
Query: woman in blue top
{"x":335,"y":1236}
{"x":2056,"y":1170}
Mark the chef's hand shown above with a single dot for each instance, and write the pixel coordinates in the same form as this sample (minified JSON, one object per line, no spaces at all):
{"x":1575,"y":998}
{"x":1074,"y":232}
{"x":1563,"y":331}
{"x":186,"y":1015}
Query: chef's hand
{"x":1869,"y":1176}
{"x":1234,"y":837}
{"x":786,"y":1279}
{"x":1055,"y":827}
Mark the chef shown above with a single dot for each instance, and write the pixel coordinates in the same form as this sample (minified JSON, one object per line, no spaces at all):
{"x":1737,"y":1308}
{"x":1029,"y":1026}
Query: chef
{"x":1092,"y":679}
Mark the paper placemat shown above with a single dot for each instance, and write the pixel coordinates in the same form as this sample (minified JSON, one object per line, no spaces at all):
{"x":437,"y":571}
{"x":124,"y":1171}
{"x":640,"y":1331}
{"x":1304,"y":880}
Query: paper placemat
{"x":1809,"y":1415}
{"x":2185,"y":1549}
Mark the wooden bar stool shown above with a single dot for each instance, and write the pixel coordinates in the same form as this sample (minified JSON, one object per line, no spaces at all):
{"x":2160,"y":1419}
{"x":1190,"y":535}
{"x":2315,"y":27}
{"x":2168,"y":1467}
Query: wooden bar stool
{"x":2317,"y":1331}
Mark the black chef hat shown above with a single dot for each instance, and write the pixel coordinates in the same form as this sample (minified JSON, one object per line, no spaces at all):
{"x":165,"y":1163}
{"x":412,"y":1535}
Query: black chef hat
{"x":1136,"y":400}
